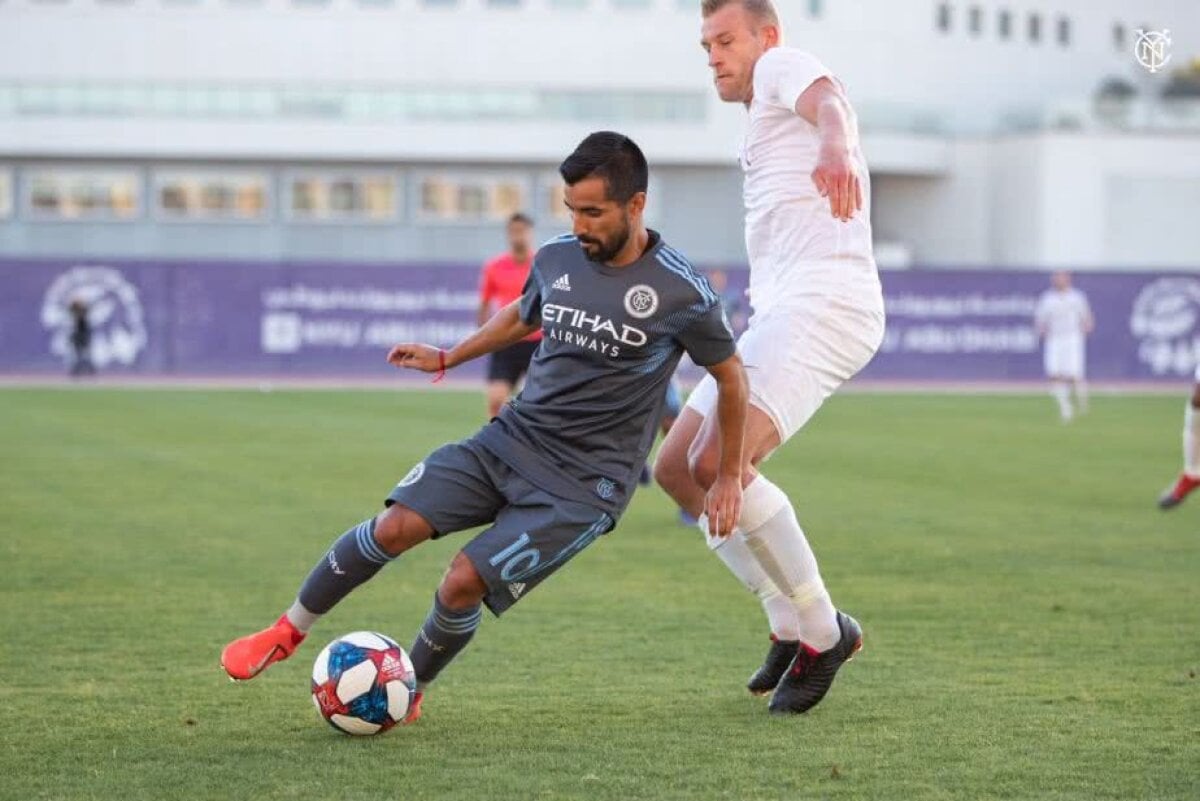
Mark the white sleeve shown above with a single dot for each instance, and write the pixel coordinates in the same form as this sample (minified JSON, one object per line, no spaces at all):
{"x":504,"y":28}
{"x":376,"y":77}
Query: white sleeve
{"x":782,"y":75}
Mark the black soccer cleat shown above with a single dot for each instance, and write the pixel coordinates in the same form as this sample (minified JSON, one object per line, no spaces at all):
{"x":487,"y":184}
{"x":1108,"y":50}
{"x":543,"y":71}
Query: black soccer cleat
{"x":773,"y":667}
{"x":811,"y":674}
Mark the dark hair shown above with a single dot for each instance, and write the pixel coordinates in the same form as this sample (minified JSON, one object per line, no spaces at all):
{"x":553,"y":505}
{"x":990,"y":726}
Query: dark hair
{"x":613,"y":157}
{"x":761,"y":10}
{"x":520,"y":217}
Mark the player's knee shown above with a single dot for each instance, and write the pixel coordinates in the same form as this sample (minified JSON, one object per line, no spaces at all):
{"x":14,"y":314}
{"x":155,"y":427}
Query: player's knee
{"x":398,"y":528}
{"x":704,"y":464}
{"x":671,"y":473}
{"x":462,"y":587}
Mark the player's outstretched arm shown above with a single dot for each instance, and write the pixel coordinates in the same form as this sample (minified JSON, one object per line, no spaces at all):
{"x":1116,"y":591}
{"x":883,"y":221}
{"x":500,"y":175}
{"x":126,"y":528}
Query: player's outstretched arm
{"x":723,"y":504}
{"x":825,"y":106}
{"x":505,"y":328}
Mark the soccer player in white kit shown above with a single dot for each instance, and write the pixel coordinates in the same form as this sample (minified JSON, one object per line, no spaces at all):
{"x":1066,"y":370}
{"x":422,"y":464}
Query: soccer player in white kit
{"x":1064,"y":319}
{"x":1189,"y":479}
{"x":818,"y":319}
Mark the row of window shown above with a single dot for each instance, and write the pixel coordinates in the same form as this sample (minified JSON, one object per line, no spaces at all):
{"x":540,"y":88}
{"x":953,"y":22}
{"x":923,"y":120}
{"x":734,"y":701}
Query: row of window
{"x":375,"y":105}
{"x":1006,"y":23}
{"x":235,"y":195}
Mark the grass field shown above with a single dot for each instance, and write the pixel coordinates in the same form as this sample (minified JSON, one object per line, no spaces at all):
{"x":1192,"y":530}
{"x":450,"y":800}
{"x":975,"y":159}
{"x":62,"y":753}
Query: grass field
{"x":1032,"y":621}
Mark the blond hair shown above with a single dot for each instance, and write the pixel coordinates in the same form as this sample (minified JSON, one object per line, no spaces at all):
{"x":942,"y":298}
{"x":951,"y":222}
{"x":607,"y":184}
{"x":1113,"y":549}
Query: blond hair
{"x":761,"y":10}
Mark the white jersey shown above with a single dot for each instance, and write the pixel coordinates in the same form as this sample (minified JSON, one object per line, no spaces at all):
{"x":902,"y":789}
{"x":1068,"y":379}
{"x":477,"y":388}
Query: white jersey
{"x":793,"y":241}
{"x":1062,"y":314}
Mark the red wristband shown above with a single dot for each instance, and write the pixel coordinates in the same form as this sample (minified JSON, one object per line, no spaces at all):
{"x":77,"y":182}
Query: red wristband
{"x":441,"y":373}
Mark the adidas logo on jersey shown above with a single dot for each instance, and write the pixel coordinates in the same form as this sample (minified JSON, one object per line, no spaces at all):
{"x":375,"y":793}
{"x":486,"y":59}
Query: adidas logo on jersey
{"x":563,"y":283}
{"x":518,"y":587}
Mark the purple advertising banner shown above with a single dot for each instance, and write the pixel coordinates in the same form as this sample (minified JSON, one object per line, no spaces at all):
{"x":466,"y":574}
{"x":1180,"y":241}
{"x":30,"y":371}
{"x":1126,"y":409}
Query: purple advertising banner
{"x":329,"y":319}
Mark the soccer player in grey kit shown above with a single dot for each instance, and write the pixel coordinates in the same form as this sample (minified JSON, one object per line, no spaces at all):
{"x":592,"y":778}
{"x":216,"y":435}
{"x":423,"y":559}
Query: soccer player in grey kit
{"x":555,"y":470}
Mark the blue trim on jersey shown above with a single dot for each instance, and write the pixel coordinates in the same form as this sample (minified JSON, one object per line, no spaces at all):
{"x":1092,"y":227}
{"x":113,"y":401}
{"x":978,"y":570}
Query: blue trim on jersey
{"x":678,"y":265}
{"x":561,"y":238}
{"x":657,"y":355}
{"x":696,"y":279}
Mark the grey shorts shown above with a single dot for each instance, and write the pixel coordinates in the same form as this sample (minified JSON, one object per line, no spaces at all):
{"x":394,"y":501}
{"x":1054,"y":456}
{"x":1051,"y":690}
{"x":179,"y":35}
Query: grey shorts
{"x":533,"y":533}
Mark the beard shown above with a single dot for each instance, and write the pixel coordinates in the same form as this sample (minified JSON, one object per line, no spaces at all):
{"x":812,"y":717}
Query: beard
{"x":606,"y":250}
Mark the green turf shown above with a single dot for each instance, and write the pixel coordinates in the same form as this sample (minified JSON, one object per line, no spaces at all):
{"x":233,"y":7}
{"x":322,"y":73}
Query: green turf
{"x":1032,"y":621}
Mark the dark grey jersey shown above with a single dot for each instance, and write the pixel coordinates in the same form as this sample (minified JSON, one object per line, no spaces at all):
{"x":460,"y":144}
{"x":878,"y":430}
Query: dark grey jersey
{"x":612,"y":336}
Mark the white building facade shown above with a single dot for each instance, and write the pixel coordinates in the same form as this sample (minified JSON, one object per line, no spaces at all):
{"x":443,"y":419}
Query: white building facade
{"x":407,"y":129}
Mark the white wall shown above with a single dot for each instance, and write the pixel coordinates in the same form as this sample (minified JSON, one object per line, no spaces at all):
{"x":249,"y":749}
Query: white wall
{"x":1052,"y":200}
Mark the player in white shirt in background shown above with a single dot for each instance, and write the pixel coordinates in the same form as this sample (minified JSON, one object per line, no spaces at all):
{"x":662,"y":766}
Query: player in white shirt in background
{"x":1189,"y":479}
{"x":1064,"y":319}
{"x":818,"y":319}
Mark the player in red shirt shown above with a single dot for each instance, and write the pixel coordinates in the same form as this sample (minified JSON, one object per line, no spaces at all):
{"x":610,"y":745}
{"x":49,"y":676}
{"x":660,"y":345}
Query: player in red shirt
{"x":500,"y":284}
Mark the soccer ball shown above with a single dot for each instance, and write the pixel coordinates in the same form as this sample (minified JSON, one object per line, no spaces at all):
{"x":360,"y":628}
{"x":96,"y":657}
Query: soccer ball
{"x":363,"y":683}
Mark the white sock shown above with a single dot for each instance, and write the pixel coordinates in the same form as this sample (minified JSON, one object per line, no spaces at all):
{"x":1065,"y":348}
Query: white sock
{"x":1062,"y":393}
{"x":778,"y":543}
{"x":737,"y":556}
{"x":301,"y":618}
{"x":1191,"y":441}
{"x":1081,"y":396}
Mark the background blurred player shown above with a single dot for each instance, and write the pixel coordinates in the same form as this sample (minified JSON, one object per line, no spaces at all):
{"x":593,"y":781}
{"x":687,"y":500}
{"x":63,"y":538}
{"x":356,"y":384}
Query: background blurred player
{"x":1063,"y":319}
{"x":556,"y":470}
{"x":499,"y":285}
{"x":81,"y":340}
{"x":818,"y":319}
{"x":1189,"y":479}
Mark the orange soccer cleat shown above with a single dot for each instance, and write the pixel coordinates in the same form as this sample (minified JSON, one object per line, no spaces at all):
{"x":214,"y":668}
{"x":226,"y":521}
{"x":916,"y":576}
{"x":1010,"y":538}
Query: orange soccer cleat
{"x":414,"y":709}
{"x":246,"y":657}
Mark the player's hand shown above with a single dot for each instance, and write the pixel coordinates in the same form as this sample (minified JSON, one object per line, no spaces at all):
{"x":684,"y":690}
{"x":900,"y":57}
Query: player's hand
{"x":836,"y":179}
{"x":723,"y":505}
{"x":413,"y":356}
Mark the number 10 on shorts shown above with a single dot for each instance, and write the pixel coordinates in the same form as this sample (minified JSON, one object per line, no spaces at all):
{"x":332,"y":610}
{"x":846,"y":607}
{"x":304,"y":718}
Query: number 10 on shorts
{"x":517,"y":565}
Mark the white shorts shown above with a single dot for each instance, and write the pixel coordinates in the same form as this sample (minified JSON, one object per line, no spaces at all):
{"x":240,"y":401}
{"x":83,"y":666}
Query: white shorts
{"x":1063,"y":357}
{"x":797,"y":356}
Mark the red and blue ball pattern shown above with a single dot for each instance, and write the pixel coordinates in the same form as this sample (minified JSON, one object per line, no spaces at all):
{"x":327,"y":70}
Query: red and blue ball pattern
{"x":363,"y":683}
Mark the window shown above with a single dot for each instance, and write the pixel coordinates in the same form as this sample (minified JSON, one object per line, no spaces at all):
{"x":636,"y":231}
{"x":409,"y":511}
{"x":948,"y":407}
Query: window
{"x":6,"y":183}
{"x":83,"y":194}
{"x":204,"y":195}
{"x":554,"y":195}
{"x":975,"y":20}
{"x":1064,"y":31}
{"x":1004,"y":24}
{"x":943,"y":17}
{"x":1118,"y":36}
{"x":470,"y":198}
{"x":1035,"y":28}
{"x":342,"y":197}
